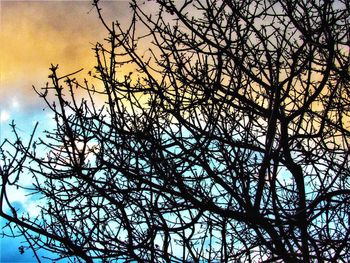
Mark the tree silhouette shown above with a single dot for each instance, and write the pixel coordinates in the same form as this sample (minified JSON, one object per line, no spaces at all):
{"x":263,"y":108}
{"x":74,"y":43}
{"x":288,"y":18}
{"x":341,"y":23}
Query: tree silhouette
{"x":228,"y":141}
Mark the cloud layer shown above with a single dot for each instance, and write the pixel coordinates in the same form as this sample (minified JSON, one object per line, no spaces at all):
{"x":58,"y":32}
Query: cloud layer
{"x":35,"y":34}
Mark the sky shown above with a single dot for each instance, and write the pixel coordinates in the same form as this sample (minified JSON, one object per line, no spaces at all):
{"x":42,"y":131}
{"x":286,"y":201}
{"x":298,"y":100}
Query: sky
{"x":34,"y":35}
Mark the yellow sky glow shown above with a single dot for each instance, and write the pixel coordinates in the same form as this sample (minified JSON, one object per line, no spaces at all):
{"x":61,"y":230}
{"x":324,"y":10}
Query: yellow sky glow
{"x":34,"y":34}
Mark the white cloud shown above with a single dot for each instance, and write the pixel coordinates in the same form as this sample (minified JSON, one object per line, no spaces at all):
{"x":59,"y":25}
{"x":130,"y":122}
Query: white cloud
{"x":34,"y":207}
{"x":17,"y":195}
{"x":4,"y":116}
{"x":15,"y":104}
{"x":27,"y":203}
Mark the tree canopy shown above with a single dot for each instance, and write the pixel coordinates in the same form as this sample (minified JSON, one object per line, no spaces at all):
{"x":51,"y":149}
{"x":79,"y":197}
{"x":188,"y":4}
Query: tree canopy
{"x":215,"y":131}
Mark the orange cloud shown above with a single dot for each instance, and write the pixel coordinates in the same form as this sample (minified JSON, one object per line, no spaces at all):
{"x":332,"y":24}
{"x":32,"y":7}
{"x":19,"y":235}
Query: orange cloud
{"x":35,"y":34}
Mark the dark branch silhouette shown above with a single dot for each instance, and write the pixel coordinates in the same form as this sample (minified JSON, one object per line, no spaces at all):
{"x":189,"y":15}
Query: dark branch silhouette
{"x":223,"y":136}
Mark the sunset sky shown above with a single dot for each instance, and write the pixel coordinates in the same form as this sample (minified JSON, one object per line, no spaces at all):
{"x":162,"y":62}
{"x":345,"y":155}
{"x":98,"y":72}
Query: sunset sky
{"x":34,"y":34}
{"x":262,"y":134}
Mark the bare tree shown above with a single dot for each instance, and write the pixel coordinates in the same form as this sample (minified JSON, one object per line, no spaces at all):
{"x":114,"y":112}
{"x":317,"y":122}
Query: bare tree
{"x":223,"y":137}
